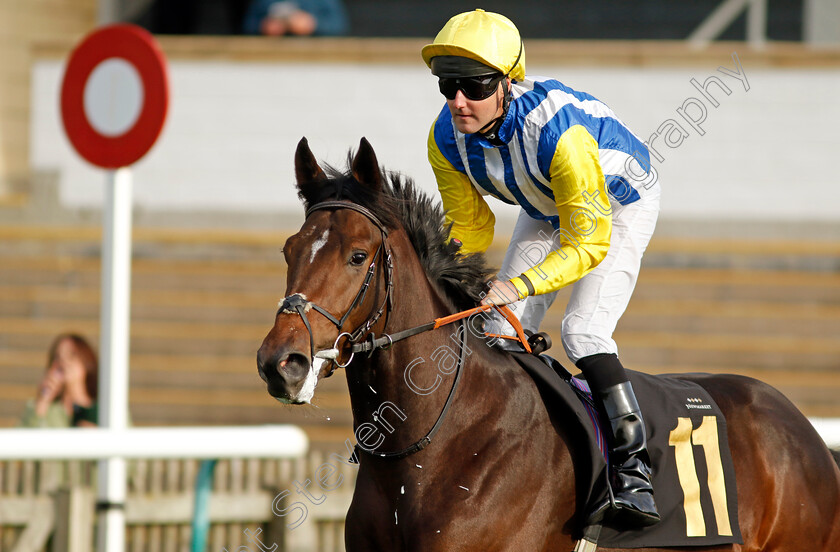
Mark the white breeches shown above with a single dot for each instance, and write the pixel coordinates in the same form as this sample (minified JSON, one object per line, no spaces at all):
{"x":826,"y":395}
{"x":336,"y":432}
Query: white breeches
{"x":598,"y":299}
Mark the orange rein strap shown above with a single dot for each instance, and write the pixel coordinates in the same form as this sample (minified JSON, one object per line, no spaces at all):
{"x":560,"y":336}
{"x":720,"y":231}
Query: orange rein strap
{"x":386,"y":340}
{"x":504,"y":310}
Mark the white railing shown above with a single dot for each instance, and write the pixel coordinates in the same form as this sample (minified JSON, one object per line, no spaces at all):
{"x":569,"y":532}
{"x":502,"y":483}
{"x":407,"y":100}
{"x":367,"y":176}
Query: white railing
{"x":270,"y":441}
{"x":112,"y":446}
{"x":829,"y":430}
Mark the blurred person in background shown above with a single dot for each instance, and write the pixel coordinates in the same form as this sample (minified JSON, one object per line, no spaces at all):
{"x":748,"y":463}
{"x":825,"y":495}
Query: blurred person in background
{"x":588,"y":201}
{"x":67,"y":392}
{"x":296,"y":18}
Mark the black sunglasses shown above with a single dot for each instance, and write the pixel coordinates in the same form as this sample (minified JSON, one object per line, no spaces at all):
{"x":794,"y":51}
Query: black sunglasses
{"x":474,"y":88}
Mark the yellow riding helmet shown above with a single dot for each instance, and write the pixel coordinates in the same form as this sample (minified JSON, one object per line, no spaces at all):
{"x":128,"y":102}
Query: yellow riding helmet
{"x":487,"y":37}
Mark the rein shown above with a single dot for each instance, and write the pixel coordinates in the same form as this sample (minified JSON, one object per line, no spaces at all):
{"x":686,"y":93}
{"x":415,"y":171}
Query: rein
{"x":386,"y":340}
{"x":424,"y":442}
{"x":298,"y":304}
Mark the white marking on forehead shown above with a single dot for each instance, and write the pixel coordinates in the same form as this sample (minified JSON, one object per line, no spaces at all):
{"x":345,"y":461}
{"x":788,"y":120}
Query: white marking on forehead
{"x":318,"y":244}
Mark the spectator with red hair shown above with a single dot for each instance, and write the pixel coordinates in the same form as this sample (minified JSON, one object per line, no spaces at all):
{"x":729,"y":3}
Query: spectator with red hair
{"x":67,"y":392}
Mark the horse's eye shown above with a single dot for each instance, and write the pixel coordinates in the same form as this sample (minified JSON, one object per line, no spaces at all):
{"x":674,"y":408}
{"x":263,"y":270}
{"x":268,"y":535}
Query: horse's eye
{"x":358,"y":258}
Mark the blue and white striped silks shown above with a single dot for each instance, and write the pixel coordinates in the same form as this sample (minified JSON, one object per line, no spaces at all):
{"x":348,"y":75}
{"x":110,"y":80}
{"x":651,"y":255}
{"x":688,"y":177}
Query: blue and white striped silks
{"x":541,"y":111}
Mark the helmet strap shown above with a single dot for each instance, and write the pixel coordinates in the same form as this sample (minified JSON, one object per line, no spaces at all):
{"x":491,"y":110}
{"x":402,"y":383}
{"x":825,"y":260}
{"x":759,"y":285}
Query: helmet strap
{"x":491,"y":129}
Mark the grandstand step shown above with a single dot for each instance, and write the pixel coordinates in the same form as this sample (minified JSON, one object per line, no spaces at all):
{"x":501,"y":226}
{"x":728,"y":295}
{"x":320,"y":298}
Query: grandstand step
{"x":664,"y":357}
{"x":19,"y":359}
{"x":758,"y":317}
{"x":732,"y":343}
{"x":147,"y":274}
{"x":153,"y":329}
{"x":725,"y":285}
{"x":763,"y":255}
{"x":748,"y":324}
{"x":664,"y":349}
{"x":175,"y":306}
{"x":172,"y":243}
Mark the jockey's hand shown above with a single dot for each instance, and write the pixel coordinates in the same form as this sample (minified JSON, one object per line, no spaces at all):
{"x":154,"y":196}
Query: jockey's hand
{"x":501,"y":293}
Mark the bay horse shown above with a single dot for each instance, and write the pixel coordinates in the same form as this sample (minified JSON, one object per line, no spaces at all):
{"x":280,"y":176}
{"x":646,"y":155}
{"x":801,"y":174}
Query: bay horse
{"x":372,"y":259}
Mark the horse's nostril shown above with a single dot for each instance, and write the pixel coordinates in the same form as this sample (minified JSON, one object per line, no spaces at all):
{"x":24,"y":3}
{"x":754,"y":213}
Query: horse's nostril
{"x":295,"y":365}
{"x":290,"y":368}
{"x":283,"y":373}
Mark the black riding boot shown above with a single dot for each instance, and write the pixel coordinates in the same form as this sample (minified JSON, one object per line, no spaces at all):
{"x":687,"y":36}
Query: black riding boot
{"x":631,"y":498}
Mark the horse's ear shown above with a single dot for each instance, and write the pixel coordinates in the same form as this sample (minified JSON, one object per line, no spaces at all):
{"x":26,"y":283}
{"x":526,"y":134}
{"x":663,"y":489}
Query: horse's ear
{"x":308,"y":173}
{"x":306,"y":166}
{"x":365,"y":168}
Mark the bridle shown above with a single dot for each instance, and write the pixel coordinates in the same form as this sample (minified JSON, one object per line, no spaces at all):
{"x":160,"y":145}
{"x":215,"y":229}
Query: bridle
{"x":298,"y":304}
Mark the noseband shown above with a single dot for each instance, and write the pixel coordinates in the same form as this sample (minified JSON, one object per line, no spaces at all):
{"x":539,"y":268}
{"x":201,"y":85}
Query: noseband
{"x":298,"y":304}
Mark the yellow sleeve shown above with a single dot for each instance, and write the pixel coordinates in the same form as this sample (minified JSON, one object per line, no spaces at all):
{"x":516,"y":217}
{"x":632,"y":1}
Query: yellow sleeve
{"x":583,"y":239}
{"x":471,"y":218}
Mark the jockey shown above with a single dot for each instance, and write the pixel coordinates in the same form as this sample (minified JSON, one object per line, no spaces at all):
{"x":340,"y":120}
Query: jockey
{"x":588,"y":199}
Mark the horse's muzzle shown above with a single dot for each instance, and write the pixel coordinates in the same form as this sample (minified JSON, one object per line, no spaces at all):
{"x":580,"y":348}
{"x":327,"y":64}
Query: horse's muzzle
{"x":283,"y":373}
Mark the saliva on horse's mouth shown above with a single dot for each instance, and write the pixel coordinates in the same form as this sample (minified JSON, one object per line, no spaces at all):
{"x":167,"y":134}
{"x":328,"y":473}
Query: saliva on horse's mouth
{"x":285,"y":398}
{"x":290,"y":401}
{"x":279,"y":393}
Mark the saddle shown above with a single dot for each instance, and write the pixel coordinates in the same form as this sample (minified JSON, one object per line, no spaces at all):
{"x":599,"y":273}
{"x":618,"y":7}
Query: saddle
{"x":693,"y":476}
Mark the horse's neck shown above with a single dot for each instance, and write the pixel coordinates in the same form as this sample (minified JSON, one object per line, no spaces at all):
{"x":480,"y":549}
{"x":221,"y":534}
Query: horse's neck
{"x":381,"y":379}
{"x":401,"y":392}
{"x":496,"y":421}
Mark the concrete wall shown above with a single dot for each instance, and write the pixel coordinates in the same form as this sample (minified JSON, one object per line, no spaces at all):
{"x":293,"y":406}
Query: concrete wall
{"x":764,"y":152}
{"x":23,"y":23}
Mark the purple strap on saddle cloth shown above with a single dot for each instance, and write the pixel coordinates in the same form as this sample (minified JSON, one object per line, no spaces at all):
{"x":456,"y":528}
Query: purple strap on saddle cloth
{"x":600,"y":437}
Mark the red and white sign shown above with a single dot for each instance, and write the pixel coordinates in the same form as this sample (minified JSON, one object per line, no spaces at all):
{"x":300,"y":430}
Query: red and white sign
{"x":115,"y":95}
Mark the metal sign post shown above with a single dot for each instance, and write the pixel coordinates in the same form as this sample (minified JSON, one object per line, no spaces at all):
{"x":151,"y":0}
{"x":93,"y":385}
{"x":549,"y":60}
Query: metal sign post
{"x":115,"y":318}
{"x":114,"y":100}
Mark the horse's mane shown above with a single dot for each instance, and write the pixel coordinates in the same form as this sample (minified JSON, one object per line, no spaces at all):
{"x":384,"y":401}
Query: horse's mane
{"x":399,"y":203}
